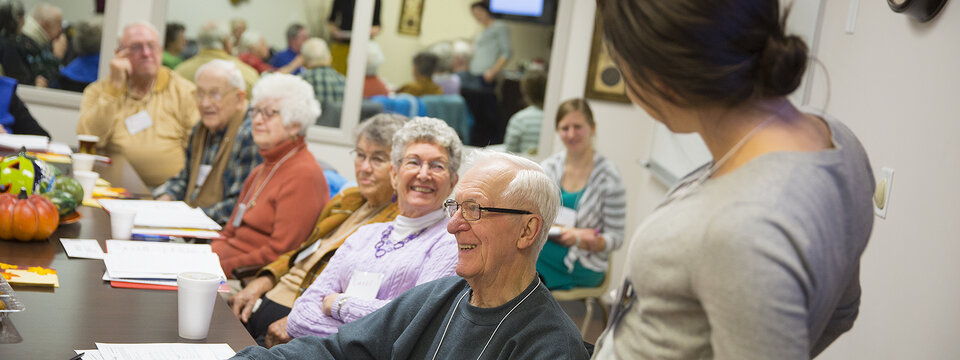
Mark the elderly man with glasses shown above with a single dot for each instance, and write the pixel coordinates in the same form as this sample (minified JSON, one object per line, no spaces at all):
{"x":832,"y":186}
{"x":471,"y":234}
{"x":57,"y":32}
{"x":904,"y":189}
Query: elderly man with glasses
{"x":498,"y":308}
{"x":142,"y":111}
{"x":221,"y":147}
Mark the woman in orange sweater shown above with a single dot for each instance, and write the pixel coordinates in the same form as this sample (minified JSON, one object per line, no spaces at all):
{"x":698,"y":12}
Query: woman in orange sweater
{"x":283,"y":196}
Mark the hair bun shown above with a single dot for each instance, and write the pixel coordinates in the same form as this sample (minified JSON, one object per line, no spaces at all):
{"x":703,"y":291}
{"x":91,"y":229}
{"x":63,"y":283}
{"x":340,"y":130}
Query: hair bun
{"x":781,"y":65}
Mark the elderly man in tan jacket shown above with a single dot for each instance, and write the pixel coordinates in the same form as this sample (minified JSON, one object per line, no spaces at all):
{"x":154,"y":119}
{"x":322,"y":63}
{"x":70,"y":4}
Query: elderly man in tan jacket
{"x":142,"y":111}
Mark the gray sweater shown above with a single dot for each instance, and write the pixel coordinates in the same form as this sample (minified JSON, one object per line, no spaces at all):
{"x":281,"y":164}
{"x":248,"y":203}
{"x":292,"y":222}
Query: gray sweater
{"x":410,"y":327}
{"x":761,"y":263}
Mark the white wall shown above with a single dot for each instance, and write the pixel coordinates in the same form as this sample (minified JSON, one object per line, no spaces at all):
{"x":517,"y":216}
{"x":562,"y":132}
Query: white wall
{"x":269,"y":18}
{"x":895,"y":83}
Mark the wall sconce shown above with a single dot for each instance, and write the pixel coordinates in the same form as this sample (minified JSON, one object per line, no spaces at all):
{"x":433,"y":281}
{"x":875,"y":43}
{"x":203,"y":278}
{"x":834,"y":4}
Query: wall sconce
{"x":922,"y":10}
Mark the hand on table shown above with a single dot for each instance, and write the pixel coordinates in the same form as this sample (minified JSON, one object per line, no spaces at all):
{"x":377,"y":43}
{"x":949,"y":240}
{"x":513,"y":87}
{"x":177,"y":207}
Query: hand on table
{"x":164,"y":197}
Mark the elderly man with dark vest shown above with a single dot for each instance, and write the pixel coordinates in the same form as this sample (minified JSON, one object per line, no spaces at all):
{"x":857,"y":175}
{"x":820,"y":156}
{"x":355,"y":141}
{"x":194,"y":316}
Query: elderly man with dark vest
{"x":221,"y":152}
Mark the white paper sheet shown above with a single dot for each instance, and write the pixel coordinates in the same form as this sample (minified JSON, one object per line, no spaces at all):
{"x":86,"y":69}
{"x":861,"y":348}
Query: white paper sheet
{"x":59,"y":148}
{"x":163,"y":214}
{"x":82,"y":248}
{"x":31,"y":142}
{"x":171,"y":351}
{"x":131,"y":246}
{"x":136,"y":265}
{"x":90,"y":354}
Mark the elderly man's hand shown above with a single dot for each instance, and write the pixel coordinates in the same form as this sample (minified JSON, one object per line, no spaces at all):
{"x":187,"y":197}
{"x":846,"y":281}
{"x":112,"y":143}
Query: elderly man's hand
{"x":164,"y":197}
{"x":277,"y":333}
{"x":328,"y":302}
{"x":242,"y":303}
{"x":120,"y":68}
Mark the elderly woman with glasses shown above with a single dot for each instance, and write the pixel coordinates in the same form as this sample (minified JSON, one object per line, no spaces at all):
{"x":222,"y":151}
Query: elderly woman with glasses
{"x":381,"y":261}
{"x":282,"y":197}
{"x":281,"y":282}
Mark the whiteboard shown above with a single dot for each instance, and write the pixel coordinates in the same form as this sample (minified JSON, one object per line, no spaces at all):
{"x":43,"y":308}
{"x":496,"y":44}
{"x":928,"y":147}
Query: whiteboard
{"x":674,"y":155}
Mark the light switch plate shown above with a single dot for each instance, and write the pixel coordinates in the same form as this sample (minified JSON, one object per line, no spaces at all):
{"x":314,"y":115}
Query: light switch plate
{"x":881,"y":196}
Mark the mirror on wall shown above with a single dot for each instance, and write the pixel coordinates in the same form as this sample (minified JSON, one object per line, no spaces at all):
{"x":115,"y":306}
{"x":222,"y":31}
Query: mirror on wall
{"x":61,"y":43}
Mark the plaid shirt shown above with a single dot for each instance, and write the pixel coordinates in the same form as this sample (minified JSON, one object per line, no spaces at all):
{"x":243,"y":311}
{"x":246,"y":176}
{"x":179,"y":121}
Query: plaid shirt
{"x":327,"y":83}
{"x":244,"y":156}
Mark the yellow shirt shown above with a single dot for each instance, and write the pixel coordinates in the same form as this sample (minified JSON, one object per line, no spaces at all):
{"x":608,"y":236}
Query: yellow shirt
{"x":156,"y":152}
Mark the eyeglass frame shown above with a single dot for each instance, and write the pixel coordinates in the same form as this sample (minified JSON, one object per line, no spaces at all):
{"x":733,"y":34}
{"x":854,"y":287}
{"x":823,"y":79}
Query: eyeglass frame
{"x":266,"y":113}
{"x":450,"y":202}
{"x":359,"y":159}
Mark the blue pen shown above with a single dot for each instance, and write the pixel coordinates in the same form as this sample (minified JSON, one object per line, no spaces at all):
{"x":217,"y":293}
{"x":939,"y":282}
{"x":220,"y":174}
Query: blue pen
{"x":146,"y":237}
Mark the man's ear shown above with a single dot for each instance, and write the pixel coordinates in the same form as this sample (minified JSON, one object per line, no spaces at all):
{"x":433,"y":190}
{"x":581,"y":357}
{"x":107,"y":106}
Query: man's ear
{"x":529,"y":230}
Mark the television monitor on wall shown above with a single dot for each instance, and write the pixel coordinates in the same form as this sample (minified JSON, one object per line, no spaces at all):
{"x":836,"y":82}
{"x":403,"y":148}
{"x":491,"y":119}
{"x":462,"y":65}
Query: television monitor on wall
{"x":536,"y":11}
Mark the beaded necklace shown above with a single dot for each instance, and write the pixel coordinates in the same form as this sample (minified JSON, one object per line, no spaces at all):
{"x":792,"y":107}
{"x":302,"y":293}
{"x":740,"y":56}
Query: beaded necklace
{"x":385,"y":246}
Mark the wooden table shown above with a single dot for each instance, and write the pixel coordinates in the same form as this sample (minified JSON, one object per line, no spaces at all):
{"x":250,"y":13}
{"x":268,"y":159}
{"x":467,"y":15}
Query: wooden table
{"x":85,"y":309}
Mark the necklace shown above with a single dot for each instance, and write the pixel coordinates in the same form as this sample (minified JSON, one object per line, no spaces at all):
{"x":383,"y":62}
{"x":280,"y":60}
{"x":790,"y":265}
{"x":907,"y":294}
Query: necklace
{"x":385,"y":246}
{"x":494,"y":329}
{"x":687,"y":188}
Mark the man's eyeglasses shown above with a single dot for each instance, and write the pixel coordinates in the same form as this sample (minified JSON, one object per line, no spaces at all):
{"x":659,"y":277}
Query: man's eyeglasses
{"x":267,"y":113}
{"x":215,"y":95}
{"x":471,"y":210}
{"x":137,"y":48}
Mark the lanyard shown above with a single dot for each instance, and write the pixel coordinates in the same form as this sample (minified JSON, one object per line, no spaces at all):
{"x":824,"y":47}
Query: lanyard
{"x":246,"y":204}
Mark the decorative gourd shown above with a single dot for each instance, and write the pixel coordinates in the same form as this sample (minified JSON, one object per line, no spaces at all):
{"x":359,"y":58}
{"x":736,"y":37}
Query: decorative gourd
{"x":27,"y":218}
{"x":25,"y":172}
{"x":63,"y":200}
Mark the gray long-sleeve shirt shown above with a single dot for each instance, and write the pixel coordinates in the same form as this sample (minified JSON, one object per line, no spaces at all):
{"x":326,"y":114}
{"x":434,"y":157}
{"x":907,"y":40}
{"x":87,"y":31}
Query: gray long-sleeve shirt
{"x":491,"y":44}
{"x":761,"y":263}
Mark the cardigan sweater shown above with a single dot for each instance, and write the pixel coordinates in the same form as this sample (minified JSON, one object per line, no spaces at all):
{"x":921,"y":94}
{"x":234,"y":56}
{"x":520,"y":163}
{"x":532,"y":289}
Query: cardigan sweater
{"x":428,"y":256}
{"x":603,"y":206}
{"x":282,"y":215}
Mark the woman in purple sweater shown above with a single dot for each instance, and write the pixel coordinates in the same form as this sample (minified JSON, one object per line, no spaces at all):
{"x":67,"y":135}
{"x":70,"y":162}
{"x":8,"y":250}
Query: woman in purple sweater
{"x":384,"y":260}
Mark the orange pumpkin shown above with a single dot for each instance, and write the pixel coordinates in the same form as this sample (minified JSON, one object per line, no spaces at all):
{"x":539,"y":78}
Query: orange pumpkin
{"x":27,"y":218}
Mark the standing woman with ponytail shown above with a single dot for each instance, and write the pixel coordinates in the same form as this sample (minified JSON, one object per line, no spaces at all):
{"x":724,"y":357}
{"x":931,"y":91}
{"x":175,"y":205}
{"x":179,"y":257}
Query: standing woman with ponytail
{"x":756,"y":255}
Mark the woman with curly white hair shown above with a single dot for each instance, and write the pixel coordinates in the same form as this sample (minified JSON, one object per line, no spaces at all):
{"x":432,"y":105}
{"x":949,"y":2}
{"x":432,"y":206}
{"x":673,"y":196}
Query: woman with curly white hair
{"x":282,"y":197}
{"x":395,"y":256}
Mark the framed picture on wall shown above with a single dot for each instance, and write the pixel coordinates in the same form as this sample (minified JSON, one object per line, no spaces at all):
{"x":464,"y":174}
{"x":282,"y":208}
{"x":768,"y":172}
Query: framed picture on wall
{"x":411,"y":16}
{"x":604,"y":80}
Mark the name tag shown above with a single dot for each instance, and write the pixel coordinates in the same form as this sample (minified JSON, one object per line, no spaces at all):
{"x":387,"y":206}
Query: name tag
{"x":202,"y":174}
{"x":238,"y":217}
{"x":566,"y":217}
{"x":364,"y":285}
{"x":138,"y":122}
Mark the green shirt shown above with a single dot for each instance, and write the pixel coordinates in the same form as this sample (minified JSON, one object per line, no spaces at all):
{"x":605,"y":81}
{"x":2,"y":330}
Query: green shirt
{"x":171,"y":60}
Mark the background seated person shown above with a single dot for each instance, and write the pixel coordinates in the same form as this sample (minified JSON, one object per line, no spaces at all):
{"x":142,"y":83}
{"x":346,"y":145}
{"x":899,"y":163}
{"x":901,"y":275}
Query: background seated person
{"x":444,"y":76}
{"x":590,"y":186}
{"x":142,"y":111}
{"x":523,"y":129}
{"x":282,"y":197}
{"x":221,"y":147}
{"x":174,"y":41}
{"x":372,"y":84}
{"x":253,"y":51}
{"x":14,"y":116}
{"x":84,"y":68}
{"x":424,"y":64}
{"x":327,"y":83}
{"x":413,"y":249}
{"x":497,"y":307}
{"x":282,"y":281}
{"x":296,"y":35}
{"x":214,"y":42}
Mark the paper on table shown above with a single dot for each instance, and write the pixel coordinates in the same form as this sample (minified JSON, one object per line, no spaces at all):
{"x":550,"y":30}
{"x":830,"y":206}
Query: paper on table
{"x":137,"y":265}
{"x":90,"y":354}
{"x":59,"y":148}
{"x":31,"y":142}
{"x":163,"y":214}
{"x":130,"y":246}
{"x":187,"y":233}
{"x":82,"y":248}
{"x":172,"y":351}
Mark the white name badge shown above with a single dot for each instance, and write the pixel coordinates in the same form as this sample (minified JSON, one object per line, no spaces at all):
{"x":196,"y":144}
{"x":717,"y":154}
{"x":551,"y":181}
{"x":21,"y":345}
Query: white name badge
{"x":566,"y":217}
{"x":238,"y":217}
{"x":202,"y":174}
{"x":364,"y":285}
{"x":138,"y":122}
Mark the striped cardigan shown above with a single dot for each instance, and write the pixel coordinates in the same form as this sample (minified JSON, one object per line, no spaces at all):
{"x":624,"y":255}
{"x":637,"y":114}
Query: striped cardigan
{"x":602,"y":206}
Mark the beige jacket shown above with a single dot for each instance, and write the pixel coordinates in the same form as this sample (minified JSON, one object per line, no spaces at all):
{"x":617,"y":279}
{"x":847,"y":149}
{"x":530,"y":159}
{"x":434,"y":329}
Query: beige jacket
{"x":157,"y":152}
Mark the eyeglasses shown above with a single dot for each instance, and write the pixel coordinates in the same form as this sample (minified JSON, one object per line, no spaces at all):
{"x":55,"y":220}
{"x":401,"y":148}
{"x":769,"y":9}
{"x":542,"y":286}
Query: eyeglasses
{"x":214,"y":95}
{"x":137,"y":48}
{"x":471,"y":210}
{"x":376,"y":160}
{"x":414,"y":163}
{"x":267,"y":113}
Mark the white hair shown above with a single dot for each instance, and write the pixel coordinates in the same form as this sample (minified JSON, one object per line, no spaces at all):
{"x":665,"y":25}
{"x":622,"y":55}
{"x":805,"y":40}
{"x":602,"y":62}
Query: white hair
{"x":315,"y":52}
{"x":431,"y":131}
{"x":374,"y":58}
{"x":294,"y":96}
{"x":46,"y":12}
{"x":212,"y":36}
{"x":248,"y":40}
{"x":444,"y":52}
{"x":225,"y":68}
{"x":530,"y":189}
{"x":136,"y":24}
